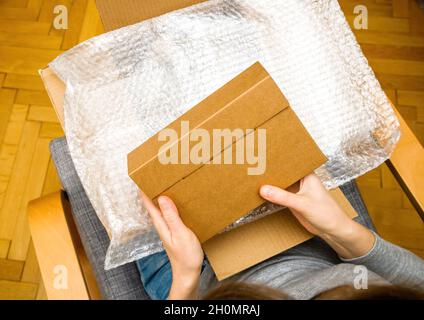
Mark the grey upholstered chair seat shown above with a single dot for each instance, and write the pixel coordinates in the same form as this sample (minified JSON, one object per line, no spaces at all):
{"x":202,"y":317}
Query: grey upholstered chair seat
{"x":120,"y":283}
{"x":123,"y":282}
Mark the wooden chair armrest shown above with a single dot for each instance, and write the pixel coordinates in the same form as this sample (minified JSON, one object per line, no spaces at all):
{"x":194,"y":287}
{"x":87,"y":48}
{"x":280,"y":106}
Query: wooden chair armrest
{"x":56,"y":253}
{"x":407,"y":165}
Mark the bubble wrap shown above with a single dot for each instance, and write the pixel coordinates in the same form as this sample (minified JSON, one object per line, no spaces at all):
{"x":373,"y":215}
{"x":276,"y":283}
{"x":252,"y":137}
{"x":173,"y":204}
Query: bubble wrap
{"x":124,"y":86}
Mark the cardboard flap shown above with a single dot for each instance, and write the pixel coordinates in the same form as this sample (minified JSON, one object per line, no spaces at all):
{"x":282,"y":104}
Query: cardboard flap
{"x":120,"y":13}
{"x":114,"y":14}
{"x":249,"y":244}
{"x":239,"y":105}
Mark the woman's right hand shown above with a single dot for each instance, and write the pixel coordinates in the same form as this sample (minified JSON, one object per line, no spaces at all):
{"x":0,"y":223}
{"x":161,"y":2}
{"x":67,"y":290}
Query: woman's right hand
{"x":320,"y":214}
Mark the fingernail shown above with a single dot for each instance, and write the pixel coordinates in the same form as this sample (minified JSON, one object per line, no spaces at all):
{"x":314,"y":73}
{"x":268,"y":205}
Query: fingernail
{"x":266,"y":191}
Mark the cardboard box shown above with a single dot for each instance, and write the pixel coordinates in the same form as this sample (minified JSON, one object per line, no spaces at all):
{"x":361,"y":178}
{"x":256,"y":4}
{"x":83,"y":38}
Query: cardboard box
{"x":118,"y":13}
{"x":211,"y":196}
{"x":240,"y":248}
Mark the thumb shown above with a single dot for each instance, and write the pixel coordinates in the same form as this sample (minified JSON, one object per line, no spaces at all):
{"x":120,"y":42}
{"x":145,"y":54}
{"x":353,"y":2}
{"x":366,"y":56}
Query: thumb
{"x":170,"y":214}
{"x":282,"y":197}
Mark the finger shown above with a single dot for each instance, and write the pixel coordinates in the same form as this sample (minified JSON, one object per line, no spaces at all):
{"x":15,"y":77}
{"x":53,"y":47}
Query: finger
{"x":170,"y":214}
{"x":282,"y":197}
{"x":156,"y":216}
{"x":311,"y":183}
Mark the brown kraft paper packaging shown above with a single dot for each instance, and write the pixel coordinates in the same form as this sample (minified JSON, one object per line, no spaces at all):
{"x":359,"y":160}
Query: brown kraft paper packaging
{"x":249,"y":244}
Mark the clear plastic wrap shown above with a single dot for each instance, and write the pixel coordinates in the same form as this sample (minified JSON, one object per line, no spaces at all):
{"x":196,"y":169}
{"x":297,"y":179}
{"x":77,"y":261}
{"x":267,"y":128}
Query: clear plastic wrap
{"x":124,"y":86}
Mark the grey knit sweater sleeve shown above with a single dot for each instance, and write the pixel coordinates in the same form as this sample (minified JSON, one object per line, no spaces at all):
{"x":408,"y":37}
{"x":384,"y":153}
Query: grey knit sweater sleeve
{"x":393,"y":263}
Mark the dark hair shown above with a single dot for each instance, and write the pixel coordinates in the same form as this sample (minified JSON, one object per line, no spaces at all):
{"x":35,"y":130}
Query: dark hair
{"x":246,"y":291}
{"x":374,"y":292}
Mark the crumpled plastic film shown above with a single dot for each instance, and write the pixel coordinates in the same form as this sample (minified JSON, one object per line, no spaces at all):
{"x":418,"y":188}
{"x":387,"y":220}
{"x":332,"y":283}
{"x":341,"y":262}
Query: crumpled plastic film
{"x":124,"y":86}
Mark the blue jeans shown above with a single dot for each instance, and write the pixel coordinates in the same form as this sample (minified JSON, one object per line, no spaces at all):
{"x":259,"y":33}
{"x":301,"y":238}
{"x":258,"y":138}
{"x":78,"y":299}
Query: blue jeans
{"x":156,"y":274}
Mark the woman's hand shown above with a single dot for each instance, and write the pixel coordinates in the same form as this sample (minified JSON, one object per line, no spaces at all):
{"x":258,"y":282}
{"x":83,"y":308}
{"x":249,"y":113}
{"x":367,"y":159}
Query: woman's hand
{"x":182,"y":247}
{"x":320,"y":214}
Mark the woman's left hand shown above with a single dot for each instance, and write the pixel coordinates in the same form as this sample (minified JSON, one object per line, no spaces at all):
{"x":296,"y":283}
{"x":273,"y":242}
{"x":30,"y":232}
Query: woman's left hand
{"x":182,"y":247}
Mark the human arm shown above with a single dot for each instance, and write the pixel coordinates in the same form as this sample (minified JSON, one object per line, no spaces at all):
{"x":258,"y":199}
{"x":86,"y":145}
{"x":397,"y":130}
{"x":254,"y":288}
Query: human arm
{"x":320,"y":214}
{"x":181,"y":245}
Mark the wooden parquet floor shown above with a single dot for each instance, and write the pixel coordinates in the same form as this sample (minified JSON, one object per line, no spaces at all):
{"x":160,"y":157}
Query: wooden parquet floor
{"x":394,"y":45}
